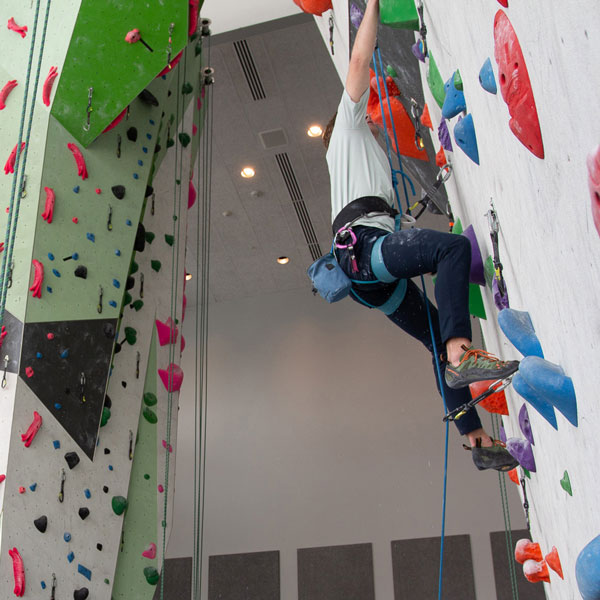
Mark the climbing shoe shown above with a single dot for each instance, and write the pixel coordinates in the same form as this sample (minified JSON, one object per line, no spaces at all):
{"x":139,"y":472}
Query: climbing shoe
{"x":478,"y":365}
{"x":492,"y":457}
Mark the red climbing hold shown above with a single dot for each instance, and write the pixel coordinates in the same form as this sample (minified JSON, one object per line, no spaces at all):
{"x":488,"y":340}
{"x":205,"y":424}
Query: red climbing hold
{"x":495,"y":403}
{"x":440,"y":158}
{"x":5,"y":91}
{"x":49,"y":206}
{"x":150,"y":552}
{"x":75,"y":220}
{"x":9,"y":167}
{"x":516,"y":86}
{"x":2,"y":478}
{"x":29,"y":372}
{"x":30,"y":434}
{"x":193,"y":16}
{"x":426,"y":117}
{"x":527,"y":550}
{"x":314,"y":7}
{"x":18,"y":572}
{"x":22,"y":31}
{"x":504,"y":3}
{"x":553,"y":561}
{"x":38,"y":278}
{"x":79,"y":160}
{"x":47,"y":89}
{"x":536,"y":571}
{"x":116,"y":121}
{"x":593,"y":165}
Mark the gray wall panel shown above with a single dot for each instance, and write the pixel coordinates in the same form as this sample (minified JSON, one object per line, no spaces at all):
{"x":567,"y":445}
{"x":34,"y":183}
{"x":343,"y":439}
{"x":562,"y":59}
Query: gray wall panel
{"x":178,"y":580}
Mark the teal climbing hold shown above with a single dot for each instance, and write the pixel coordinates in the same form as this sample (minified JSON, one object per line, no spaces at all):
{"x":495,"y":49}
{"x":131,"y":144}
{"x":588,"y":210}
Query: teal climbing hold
{"x":550,"y":383}
{"x":587,"y":570}
{"x":454,"y":101}
{"x":536,"y":400}
{"x":464,"y":135}
{"x":486,"y":77}
{"x":518,"y":328}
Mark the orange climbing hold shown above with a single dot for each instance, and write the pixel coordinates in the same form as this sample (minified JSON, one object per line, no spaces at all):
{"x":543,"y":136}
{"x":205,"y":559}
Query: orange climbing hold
{"x":527,"y":550}
{"x":496,"y":403}
{"x":536,"y":571}
{"x":314,"y":7}
{"x":553,"y":561}
{"x":440,"y":158}
{"x":426,"y":117}
{"x":514,"y":476}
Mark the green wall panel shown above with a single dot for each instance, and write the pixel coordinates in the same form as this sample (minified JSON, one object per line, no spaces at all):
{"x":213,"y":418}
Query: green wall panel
{"x":139,"y":528}
{"x":100,"y":58}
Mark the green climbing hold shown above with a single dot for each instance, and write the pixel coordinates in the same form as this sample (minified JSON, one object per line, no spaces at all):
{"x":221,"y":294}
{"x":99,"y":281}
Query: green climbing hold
{"x":458,"y":84}
{"x":149,"y":236}
{"x":156,"y":265}
{"x":565,"y":483}
{"x":435,"y":82}
{"x":170,"y":142}
{"x":169,"y":239}
{"x":150,"y":415}
{"x":184,"y":139}
{"x":130,"y":335}
{"x":527,"y":473}
{"x":187,"y":88}
{"x":457,"y":228}
{"x":391,"y":71}
{"x":194,"y":36}
{"x":119,"y":505}
{"x":401,"y":14}
{"x":105,"y":416}
{"x":198,"y":50}
{"x":489,"y":271}
{"x":150,"y":399}
{"x":146,"y":476}
{"x":134,"y":267}
{"x":137,"y":305}
{"x":106,"y":581}
{"x":127,"y":299}
{"x":476,"y":307}
{"x":151,"y":575}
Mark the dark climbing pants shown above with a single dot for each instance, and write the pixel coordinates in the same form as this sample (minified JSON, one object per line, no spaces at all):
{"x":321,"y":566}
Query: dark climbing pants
{"x":410,"y":253}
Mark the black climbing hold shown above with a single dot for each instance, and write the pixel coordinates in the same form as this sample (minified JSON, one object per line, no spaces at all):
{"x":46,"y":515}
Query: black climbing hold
{"x":99,"y":546}
{"x":148,"y":98}
{"x":124,"y":384}
{"x":41,"y":523}
{"x":187,"y":88}
{"x":81,"y":594}
{"x":130,"y":283}
{"x":157,"y":149}
{"x":149,"y":191}
{"x":134,"y":268}
{"x":105,"y":489}
{"x":107,"y":401}
{"x":132,"y":134}
{"x":84,"y":513}
{"x":109,"y":330}
{"x":117,"y":347}
{"x":119,"y":190}
{"x":72,"y":459}
{"x":81,"y":271}
{"x":106,"y":450}
{"x":140,"y":238}
{"x":184,"y":138}
{"x":168,"y":94}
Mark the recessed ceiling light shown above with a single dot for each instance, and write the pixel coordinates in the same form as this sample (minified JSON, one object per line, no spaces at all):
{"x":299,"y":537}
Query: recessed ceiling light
{"x":314,"y":131}
{"x":283,"y":260}
{"x":247,"y":172}
{"x":188,"y":276}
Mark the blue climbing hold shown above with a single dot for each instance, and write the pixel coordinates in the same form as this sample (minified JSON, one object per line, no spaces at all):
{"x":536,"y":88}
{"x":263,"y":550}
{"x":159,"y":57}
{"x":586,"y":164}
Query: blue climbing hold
{"x":110,"y":467}
{"x":464,"y":136}
{"x":91,"y":237}
{"x":85,"y":572}
{"x":136,"y":176}
{"x":56,"y":272}
{"x":56,"y":444}
{"x":50,"y":256}
{"x":76,"y":189}
{"x":65,"y":353}
{"x":550,"y":383}
{"x":149,"y":136}
{"x":518,"y":328}
{"x":538,"y":402}
{"x":587,"y":570}
{"x":57,"y":406}
{"x":486,"y":77}
{"x":75,"y":256}
{"x":39,"y":355}
{"x":141,"y":163}
{"x":49,"y":289}
{"x":151,"y":122}
{"x":67,"y":536}
{"x":454,"y":102}
{"x":33,"y":487}
{"x":87,"y":493}
{"x":113,"y":303}
{"x":145,"y":150}
{"x":128,"y":222}
{"x":43,"y":584}
{"x":70,"y":557}
{"x":116,"y":283}
{"x":118,"y":252}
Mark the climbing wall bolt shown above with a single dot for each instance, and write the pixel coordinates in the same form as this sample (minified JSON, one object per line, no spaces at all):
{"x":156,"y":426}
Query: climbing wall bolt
{"x":137,"y":365}
{"x":63,"y":477}
{"x":89,"y":109}
{"x":101,"y":293}
{"x":109,"y":225}
{"x":141,"y":285}
{"x":208,"y":73}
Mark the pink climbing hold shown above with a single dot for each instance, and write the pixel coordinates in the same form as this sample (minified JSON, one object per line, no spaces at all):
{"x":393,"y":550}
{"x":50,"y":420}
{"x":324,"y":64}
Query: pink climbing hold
{"x":133,"y":36}
{"x":47,"y":89}
{"x":161,"y":489}
{"x":150,"y":551}
{"x":2,"y":478}
{"x":164,"y":443}
{"x":167,"y":332}
{"x":75,"y":220}
{"x":515,"y":86}
{"x":30,"y":434}
{"x":593,"y":165}
{"x":18,"y":572}
{"x":38,"y":279}
{"x":49,"y":206}
{"x":50,"y":336}
{"x":9,"y":167}
{"x":79,"y":160}
{"x":194,"y":129}
{"x":5,"y":91}
{"x":182,"y":347}
{"x":171,"y":377}
{"x":29,"y":372}
{"x":3,"y":334}
{"x":183,"y":307}
{"x":191,"y":195}
{"x":22,"y":31}
{"x":116,"y":120}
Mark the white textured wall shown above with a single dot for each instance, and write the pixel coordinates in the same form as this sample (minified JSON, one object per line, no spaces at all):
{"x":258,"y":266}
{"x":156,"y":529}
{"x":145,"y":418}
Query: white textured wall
{"x":548,"y":244}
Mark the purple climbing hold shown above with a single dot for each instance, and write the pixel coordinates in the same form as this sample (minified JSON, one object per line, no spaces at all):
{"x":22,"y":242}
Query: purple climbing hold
{"x":417,"y":50}
{"x":502,"y":434}
{"x":522,"y":451}
{"x":356,"y":15}
{"x":444,"y":136}
{"x":500,"y":300}
{"x":525,"y":424}
{"x":477,"y":274}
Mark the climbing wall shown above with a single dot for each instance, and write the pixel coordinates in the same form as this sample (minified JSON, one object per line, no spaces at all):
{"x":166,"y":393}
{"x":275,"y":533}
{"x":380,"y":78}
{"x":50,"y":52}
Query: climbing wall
{"x":93,"y":348}
{"x":521,"y":152}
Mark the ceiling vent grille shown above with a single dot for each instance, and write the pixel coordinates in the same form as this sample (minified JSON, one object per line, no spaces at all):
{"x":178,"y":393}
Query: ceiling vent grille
{"x":249,"y":69}
{"x":289,"y":177}
{"x":273,"y":138}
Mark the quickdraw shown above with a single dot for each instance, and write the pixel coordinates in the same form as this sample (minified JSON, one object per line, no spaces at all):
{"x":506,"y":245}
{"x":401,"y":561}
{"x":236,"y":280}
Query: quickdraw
{"x":494,"y":229}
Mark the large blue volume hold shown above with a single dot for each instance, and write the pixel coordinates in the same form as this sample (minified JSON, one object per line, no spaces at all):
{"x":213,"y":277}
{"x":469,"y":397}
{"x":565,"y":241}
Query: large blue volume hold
{"x":518,"y":328}
{"x":486,"y":77}
{"x":465,"y":138}
{"x":454,"y":102}
{"x":536,"y":400}
{"x":587,"y":570}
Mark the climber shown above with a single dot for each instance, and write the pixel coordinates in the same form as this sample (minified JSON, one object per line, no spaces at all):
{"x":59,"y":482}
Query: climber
{"x":362,"y":200}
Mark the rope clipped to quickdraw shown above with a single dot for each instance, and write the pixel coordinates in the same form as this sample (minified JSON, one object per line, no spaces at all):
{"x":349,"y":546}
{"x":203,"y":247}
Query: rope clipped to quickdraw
{"x":201,"y":334}
{"x":19,"y":166}
{"x":426,"y":300}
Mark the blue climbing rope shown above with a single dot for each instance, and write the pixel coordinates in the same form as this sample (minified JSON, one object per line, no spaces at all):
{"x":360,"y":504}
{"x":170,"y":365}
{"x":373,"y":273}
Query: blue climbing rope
{"x":400,"y":171}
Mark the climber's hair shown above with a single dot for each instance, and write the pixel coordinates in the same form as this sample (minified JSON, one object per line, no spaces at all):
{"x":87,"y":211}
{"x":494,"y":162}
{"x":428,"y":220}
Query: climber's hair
{"x":328,"y":131}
